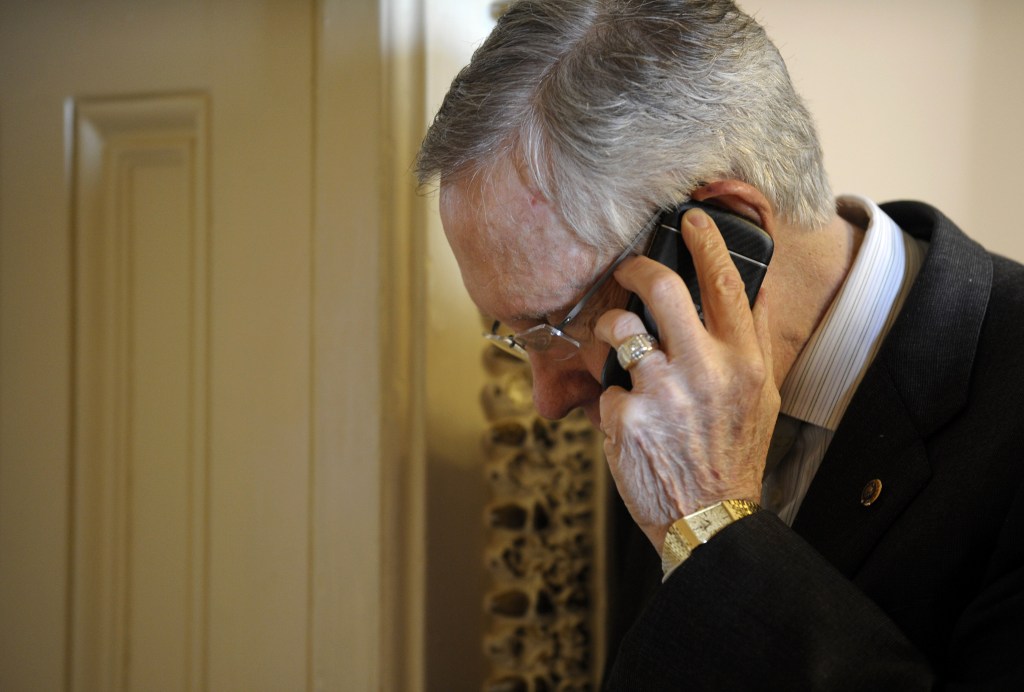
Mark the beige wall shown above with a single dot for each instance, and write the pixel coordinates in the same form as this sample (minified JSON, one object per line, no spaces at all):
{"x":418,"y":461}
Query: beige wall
{"x":915,"y":99}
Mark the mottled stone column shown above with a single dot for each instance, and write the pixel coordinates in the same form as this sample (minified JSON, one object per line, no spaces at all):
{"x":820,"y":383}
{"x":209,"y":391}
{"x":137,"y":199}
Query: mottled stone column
{"x":541,"y":551}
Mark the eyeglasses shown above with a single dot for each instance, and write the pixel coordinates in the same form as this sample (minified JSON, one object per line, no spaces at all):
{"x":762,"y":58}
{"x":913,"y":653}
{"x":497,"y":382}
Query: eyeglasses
{"x":552,"y":339}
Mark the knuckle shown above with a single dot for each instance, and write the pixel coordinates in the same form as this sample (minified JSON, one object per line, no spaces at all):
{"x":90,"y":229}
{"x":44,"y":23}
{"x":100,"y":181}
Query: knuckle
{"x":665,"y":287}
{"x":631,"y":415}
{"x":726,"y":281}
{"x":756,"y":376}
{"x":739,"y":377}
{"x":625,"y":326}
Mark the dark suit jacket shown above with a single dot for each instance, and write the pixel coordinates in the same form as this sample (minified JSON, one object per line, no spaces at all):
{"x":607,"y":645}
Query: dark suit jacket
{"x":924,"y":587}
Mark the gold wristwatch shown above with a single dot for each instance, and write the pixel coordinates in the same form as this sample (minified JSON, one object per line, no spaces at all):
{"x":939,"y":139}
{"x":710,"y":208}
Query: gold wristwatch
{"x":698,"y":528}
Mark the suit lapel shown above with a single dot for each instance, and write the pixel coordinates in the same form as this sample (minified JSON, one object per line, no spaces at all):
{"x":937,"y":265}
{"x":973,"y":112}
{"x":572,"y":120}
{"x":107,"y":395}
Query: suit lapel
{"x":876,"y":442}
{"x":917,"y":382}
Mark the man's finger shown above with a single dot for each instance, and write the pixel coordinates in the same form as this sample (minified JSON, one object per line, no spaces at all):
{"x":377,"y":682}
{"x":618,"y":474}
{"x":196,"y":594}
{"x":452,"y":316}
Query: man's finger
{"x":668,"y":299}
{"x":723,"y":295}
{"x":616,"y":327}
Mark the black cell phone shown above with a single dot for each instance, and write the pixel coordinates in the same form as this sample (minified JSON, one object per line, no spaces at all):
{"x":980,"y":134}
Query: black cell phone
{"x":751,"y":249}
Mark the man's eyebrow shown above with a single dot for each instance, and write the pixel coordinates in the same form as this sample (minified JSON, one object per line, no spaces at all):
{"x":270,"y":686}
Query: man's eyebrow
{"x":532,"y":317}
{"x":555,"y":310}
{"x":540,"y":316}
{"x":578,"y":288}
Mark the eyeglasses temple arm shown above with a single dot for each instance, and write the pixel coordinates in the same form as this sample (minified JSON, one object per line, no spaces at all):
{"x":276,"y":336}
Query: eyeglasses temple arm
{"x":606,"y":275}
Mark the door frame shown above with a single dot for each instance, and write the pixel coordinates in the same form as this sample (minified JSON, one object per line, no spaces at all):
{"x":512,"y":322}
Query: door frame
{"x":368,"y":481}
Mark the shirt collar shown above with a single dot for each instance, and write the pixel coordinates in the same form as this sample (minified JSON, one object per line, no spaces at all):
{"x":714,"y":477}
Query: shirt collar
{"x":825,"y":375}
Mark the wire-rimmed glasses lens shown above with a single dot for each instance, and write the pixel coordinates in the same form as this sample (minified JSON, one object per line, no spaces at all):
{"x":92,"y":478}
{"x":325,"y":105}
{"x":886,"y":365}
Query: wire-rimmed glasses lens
{"x":541,"y":338}
{"x":550,"y":339}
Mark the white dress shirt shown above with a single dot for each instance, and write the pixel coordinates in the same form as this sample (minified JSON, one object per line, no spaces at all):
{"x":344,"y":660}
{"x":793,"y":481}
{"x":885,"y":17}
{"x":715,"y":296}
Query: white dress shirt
{"x":827,"y":372}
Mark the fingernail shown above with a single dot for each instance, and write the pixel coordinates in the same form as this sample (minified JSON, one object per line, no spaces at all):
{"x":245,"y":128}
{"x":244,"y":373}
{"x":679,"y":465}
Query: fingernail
{"x":697,"y":218}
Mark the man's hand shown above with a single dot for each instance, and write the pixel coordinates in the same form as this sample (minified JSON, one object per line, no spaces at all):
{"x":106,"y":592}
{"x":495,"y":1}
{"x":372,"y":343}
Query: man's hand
{"x":696,"y":426}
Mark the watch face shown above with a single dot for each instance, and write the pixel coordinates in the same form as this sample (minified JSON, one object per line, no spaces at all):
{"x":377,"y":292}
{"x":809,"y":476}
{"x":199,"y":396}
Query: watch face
{"x":698,"y":528}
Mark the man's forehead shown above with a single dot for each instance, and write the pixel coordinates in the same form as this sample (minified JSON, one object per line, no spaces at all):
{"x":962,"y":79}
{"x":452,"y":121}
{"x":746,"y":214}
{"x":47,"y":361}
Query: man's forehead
{"x":516,"y":255}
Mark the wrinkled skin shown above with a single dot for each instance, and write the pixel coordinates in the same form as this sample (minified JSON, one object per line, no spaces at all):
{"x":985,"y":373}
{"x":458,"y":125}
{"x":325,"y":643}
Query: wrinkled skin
{"x":696,"y":426}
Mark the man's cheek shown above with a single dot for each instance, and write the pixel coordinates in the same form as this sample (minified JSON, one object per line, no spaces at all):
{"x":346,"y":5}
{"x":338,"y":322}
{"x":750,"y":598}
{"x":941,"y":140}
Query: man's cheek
{"x":594,"y":356}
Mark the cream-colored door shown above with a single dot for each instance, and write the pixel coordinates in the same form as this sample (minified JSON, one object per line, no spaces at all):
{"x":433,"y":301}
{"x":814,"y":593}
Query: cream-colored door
{"x":161,"y":448}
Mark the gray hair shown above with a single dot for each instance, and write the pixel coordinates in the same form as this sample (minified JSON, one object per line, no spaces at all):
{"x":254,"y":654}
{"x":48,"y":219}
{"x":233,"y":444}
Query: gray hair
{"x":615,"y":108}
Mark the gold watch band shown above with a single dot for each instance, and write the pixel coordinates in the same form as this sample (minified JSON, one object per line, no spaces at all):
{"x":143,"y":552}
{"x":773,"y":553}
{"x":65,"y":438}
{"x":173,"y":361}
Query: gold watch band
{"x":698,"y":528}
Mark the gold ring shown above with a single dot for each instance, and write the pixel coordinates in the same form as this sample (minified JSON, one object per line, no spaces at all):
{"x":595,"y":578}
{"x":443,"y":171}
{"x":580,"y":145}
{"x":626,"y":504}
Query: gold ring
{"x":634,"y":349}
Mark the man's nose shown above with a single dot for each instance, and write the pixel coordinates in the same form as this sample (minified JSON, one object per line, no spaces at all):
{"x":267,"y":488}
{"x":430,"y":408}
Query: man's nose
{"x":560,"y":386}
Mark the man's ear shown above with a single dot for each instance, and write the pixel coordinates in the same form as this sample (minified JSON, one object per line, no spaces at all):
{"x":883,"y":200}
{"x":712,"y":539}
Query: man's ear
{"x":739,"y":198}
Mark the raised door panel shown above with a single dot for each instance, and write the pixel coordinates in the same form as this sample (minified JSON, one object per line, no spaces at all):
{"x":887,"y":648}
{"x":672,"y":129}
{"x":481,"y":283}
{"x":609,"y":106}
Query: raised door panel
{"x":156,"y":192}
{"x":141,"y":390}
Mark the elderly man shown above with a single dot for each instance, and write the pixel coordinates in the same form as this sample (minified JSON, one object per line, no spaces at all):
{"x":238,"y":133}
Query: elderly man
{"x":868,"y":536}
